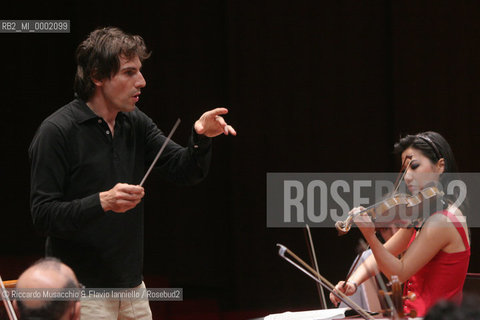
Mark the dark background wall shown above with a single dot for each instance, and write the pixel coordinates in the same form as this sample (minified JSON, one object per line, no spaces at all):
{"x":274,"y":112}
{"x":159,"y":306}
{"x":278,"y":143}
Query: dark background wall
{"x":312,"y":86}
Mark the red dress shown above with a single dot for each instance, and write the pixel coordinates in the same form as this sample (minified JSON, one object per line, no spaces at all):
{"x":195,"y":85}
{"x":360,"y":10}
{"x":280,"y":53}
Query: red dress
{"x":441,"y":278}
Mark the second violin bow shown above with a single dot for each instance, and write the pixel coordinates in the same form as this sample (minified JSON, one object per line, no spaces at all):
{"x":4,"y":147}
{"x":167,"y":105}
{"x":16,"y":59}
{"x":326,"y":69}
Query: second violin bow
{"x":309,"y":271}
{"x":321,"y":293}
{"x":7,"y":302}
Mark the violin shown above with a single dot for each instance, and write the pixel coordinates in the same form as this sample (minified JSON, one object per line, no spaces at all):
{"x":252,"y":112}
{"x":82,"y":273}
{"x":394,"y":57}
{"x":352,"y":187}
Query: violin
{"x":400,"y":209}
{"x":391,"y":301}
{"x":397,"y":299}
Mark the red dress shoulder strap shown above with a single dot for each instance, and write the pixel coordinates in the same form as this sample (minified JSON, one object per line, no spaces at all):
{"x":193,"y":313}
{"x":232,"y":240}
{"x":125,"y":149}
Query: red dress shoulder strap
{"x":458,"y":225}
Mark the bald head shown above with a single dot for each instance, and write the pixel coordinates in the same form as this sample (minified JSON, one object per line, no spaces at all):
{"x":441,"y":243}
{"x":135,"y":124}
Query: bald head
{"x":48,"y":273}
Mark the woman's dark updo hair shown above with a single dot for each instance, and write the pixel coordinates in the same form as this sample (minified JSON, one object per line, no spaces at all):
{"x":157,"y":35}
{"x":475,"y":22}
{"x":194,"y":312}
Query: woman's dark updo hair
{"x":433,"y":146}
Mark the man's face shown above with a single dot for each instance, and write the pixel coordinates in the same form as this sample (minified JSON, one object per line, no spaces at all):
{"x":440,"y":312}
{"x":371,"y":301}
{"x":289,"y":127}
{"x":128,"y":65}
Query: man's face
{"x":122,"y":91}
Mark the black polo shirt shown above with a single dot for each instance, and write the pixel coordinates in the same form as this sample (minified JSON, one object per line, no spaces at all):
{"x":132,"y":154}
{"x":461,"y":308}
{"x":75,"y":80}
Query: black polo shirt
{"x":73,"y":158}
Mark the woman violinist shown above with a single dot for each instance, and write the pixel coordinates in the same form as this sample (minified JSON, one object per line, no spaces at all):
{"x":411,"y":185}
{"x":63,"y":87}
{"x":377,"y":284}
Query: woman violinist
{"x":436,"y":254}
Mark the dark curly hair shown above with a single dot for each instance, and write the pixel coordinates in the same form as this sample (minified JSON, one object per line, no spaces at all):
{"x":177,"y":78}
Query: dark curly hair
{"x":98,"y":57}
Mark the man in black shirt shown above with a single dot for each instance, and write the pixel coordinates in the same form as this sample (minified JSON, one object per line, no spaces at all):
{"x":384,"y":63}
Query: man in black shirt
{"x":88,"y":157}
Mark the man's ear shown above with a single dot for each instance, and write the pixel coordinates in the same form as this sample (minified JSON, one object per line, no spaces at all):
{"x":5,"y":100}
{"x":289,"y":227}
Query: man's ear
{"x":95,"y":79}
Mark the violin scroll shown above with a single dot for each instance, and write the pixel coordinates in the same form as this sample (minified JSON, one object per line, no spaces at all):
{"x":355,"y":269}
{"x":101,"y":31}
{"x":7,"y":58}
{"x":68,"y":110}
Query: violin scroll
{"x":344,"y":226}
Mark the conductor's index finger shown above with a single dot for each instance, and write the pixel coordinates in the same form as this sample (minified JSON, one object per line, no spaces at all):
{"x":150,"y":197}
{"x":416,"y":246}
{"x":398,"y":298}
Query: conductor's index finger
{"x":218,"y":111}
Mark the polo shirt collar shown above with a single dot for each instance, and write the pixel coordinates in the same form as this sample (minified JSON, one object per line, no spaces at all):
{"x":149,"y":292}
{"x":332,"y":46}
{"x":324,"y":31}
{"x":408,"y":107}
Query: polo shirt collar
{"x":85,"y":113}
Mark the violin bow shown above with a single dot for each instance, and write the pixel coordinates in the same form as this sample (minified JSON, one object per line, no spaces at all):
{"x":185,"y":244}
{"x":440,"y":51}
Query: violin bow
{"x":344,"y":226}
{"x":309,"y":271}
{"x":396,"y":185}
{"x":7,"y":302}
{"x":313,"y":257}
{"x":400,"y":177}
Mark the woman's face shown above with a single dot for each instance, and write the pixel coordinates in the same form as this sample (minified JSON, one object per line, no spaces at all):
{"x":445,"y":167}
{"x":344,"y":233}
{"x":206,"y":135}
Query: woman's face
{"x":421,"y":171}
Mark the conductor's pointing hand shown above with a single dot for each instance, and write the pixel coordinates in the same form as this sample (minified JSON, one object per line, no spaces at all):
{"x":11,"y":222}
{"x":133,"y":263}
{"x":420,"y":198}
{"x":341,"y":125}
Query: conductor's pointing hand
{"x":212,"y":124}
